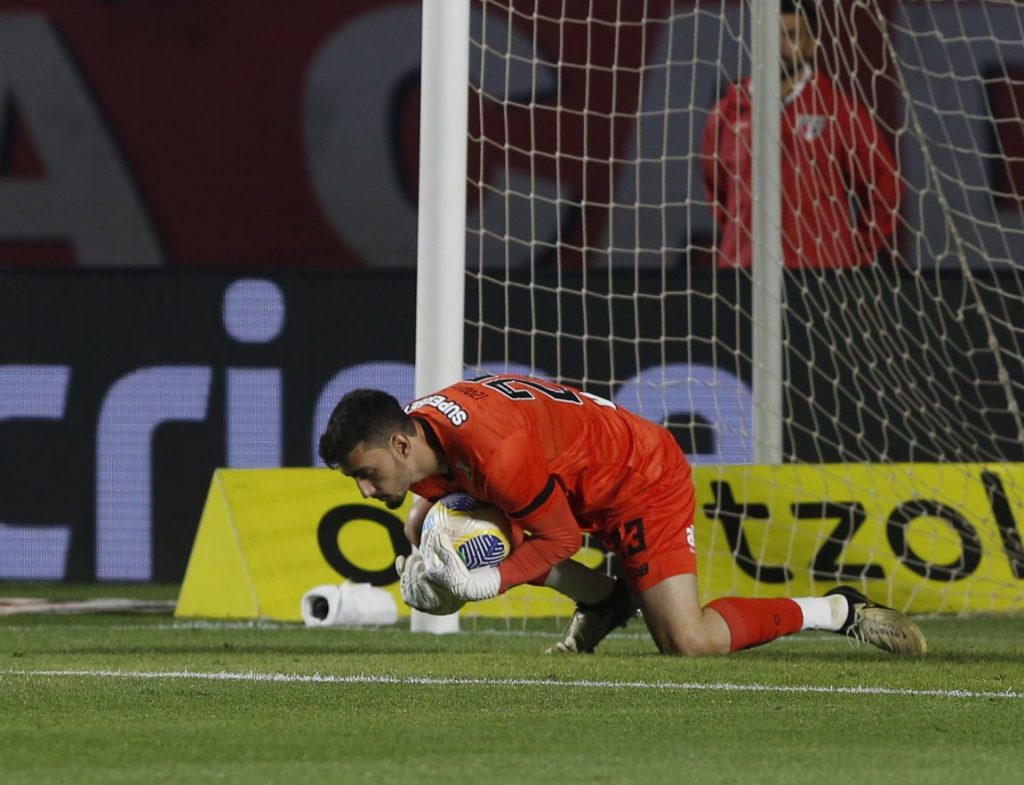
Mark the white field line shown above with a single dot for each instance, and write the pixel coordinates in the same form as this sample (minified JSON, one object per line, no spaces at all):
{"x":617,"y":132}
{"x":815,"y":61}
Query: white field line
{"x":318,"y":678}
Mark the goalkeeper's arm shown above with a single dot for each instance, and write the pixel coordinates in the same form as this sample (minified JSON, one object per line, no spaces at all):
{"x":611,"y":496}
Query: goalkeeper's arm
{"x":555,"y":536}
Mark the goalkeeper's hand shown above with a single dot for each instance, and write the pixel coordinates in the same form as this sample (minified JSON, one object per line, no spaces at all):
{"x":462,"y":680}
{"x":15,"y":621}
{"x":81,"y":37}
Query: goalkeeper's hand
{"x":419,"y":593}
{"x":445,"y":568}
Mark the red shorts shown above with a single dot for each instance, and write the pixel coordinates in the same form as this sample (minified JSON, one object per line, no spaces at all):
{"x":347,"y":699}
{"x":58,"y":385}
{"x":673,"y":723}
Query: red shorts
{"x":656,"y":541}
{"x":653,"y":547}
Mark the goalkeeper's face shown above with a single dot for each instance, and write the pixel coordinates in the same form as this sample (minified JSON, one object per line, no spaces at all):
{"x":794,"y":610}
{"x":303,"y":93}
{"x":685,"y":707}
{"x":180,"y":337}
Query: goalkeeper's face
{"x":380,"y":473}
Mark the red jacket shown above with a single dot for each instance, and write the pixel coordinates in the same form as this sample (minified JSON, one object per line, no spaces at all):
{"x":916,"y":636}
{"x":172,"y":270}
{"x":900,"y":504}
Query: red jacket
{"x":840,"y":186}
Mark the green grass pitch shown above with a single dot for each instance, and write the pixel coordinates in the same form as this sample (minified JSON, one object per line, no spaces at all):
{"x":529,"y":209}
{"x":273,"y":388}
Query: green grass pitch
{"x":146,"y":699}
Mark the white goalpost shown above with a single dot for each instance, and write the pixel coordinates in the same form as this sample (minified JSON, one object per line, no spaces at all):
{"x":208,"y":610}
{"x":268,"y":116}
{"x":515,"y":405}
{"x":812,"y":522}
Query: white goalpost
{"x":826,"y":307}
{"x":766,"y":241}
{"x":440,"y":242}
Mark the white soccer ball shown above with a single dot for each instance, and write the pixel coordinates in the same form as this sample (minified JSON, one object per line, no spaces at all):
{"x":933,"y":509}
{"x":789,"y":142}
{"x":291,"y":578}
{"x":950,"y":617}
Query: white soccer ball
{"x":479,"y":532}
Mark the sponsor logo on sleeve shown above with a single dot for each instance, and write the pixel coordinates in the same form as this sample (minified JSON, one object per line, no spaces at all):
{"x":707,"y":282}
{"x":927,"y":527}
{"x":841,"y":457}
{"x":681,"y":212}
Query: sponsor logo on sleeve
{"x":449,"y":408}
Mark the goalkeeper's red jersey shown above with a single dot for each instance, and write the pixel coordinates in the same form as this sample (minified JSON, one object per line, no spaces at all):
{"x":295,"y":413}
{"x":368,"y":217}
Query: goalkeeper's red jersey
{"x":556,"y":460}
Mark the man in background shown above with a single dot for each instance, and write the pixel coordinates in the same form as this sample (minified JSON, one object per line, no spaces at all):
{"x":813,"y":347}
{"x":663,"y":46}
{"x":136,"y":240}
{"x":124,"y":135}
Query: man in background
{"x":840,"y":186}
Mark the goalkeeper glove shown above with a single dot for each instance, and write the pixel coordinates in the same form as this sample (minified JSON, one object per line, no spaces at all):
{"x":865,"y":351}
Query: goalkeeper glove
{"x":445,"y":568}
{"x":419,"y":593}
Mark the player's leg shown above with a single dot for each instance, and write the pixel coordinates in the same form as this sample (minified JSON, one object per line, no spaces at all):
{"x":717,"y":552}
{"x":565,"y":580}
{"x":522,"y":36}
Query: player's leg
{"x":580,"y":583}
{"x":603,"y":603}
{"x":659,"y":557}
{"x":678,"y":623}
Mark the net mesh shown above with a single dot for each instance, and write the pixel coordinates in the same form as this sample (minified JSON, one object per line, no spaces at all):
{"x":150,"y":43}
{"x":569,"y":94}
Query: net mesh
{"x":608,"y":242}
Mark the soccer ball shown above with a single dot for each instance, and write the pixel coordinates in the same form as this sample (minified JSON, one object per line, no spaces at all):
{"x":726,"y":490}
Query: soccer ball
{"x":480,"y":533}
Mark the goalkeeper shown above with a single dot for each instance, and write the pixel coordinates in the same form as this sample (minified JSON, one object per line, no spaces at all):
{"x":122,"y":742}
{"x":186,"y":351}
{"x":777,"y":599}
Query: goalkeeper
{"x":559,"y":462}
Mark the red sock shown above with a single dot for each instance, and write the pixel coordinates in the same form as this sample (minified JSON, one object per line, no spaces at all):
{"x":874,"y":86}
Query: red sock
{"x":753,"y":622}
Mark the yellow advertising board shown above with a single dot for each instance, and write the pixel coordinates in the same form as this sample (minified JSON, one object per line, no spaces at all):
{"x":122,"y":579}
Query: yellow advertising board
{"x":921,"y":537}
{"x":926,"y":538}
{"x":267,"y":536}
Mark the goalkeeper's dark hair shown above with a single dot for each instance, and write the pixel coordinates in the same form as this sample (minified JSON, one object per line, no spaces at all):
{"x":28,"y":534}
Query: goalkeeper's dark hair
{"x":362,"y":416}
{"x":809,"y":9}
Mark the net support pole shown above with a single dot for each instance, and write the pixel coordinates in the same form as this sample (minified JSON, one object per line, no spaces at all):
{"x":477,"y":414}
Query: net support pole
{"x":441,"y":236}
{"x":766,"y":264}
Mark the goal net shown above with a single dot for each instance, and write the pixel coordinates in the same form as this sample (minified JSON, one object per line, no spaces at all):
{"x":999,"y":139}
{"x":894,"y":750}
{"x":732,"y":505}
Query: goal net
{"x":860,"y":296}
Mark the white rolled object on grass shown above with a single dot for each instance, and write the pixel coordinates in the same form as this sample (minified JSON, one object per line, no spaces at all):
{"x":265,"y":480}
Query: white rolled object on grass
{"x":348,"y":605}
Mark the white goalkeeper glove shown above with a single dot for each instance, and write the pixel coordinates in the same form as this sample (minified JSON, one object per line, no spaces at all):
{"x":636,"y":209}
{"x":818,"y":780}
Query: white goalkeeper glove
{"x":445,"y":569}
{"x":419,"y":593}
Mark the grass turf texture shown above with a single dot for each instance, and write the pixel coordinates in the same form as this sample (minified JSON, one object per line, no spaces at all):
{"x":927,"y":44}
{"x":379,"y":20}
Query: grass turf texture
{"x":517,"y":716}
